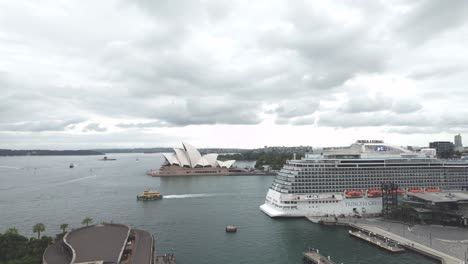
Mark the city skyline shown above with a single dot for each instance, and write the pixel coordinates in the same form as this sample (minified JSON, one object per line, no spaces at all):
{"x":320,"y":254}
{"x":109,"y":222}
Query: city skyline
{"x":121,"y":74}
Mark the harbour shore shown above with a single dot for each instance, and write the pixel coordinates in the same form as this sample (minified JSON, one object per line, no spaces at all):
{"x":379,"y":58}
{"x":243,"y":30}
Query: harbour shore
{"x":155,"y":173}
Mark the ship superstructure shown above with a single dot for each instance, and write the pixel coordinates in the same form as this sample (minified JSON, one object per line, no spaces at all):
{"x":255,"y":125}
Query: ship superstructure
{"x":347,"y":180}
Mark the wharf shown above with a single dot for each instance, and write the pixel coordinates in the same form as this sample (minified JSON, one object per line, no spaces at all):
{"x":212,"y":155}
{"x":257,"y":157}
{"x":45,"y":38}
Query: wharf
{"x":409,"y":244}
{"x":314,"y":257}
{"x":387,"y":244}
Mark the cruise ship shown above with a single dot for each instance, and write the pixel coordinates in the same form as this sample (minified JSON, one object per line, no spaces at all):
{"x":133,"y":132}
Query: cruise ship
{"x":347,"y":180}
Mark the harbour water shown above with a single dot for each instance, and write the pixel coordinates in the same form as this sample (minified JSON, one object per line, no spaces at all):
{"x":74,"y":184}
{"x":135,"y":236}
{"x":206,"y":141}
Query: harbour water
{"x":190,"y":221}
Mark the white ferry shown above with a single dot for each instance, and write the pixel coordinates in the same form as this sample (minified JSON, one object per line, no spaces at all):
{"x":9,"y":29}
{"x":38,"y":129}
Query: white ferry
{"x":347,"y":180}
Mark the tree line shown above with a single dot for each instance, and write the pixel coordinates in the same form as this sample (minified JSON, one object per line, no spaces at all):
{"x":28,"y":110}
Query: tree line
{"x":275,"y":159}
{"x":18,"y":249}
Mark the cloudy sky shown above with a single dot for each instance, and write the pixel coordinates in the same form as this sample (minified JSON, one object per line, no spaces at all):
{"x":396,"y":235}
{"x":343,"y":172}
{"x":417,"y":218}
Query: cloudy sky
{"x":143,"y":73}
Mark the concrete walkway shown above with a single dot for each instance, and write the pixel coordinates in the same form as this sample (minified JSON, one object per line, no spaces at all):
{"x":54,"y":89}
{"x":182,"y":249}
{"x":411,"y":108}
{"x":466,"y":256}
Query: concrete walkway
{"x":445,"y":258}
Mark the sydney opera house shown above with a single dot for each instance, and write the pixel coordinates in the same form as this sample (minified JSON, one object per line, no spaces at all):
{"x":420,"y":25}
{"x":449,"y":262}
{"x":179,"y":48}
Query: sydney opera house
{"x":188,"y":161}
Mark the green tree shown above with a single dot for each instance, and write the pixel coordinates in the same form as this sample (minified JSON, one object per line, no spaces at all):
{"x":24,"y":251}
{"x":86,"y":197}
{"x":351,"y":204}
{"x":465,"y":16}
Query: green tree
{"x":12,"y":230}
{"x":87,"y":221}
{"x":64,"y":228}
{"x":38,"y":228}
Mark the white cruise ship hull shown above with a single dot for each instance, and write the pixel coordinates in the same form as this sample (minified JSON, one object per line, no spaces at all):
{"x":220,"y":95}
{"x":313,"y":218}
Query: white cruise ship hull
{"x":279,"y":205}
{"x":348,"y":180}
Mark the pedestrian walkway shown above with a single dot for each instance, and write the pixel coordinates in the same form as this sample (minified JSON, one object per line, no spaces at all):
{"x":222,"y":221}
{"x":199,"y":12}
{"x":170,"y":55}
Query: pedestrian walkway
{"x":444,"y":258}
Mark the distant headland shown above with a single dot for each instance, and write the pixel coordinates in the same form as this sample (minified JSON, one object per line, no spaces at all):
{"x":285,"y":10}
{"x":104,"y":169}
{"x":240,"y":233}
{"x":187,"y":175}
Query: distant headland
{"x":39,"y":152}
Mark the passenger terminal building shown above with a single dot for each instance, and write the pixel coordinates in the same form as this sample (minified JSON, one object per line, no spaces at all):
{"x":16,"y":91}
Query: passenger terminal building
{"x":447,"y":208}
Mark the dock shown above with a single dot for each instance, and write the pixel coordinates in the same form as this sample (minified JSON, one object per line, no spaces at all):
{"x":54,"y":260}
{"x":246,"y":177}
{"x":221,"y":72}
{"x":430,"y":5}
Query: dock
{"x":409,"y":244}
{"x":386,"y":244}
{"x":312,"y":256}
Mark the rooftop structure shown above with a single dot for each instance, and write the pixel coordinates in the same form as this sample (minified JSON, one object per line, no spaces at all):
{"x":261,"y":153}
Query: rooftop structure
{"x":443,"y":148}
{"x":447,"y":207}
{"x":104,"y":243}
{"x":190,"y":157}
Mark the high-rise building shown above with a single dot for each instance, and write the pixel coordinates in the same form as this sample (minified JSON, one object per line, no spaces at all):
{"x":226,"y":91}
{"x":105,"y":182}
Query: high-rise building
{"x":458,"y":142}
{"x":444,"y":149}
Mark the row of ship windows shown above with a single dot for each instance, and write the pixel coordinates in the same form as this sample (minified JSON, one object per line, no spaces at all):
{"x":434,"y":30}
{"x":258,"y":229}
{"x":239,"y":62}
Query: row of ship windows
{"x":368,"y":181}
{"x":373,"y":169}
{"x":373,"y":173}
{"x":299,"y":174}
{"x":322,"y":202}
{"x":342,"y":188}
{"x":340,"y":177}
{"x":380,"y":178}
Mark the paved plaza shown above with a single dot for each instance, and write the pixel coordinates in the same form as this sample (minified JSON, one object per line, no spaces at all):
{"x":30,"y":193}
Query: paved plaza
{"x":449,"y":240}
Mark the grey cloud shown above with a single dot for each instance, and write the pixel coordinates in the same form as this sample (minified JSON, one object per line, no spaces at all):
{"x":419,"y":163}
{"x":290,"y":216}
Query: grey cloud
{"x":428,"y":18}
{"x":364,"y":103}
{"x":94,"y":127}
{"x":375,"y":119}
{"x":39,"y":126}
{"x":359,"y":102}
{"x":211,"y":62}
{"x":418,"y":130}
{"x":143,"y":124}
{"x":404,"y":106}
{"x":437,"y":72}
{"x":296,"y":108}
{"x":406,"y":123}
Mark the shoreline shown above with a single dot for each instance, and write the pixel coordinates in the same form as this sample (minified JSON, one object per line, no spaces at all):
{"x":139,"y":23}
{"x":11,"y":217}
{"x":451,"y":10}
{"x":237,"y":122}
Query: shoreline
{"x":153,"y":173}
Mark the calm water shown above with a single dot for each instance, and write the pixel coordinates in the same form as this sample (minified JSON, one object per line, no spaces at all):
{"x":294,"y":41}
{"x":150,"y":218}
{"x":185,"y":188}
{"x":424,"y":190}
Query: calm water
{"x":190,"y":219}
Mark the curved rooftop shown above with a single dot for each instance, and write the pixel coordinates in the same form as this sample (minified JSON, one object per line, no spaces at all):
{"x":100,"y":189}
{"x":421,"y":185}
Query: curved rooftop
{"x":106,"y":243}
{"x":88,"y":243}
{"x":190,"y":157}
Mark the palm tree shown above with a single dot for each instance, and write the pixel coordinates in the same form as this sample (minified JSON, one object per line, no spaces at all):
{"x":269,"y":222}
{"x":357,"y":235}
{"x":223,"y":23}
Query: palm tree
{"x":38,"y":228}
{"x":64,"y":227}
{"x":87,"y":221}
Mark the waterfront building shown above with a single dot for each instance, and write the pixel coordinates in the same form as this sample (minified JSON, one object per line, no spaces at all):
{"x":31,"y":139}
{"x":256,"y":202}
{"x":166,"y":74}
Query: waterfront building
{"x":190,"y":157}
{"x":188,"y":161}
{"x":446,"y":208}
{"x":458,"y":143}
{"x":347,"y":180}
{"x":444,"y":149}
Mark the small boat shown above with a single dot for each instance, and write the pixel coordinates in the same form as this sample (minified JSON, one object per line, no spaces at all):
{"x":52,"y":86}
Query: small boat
{"x":72,"y":165}
{"x":353,"y":194}
{"x":149,"y":195}
{"x":374,"y":193}
{"x":231,"y":229}
{"x":106,"y":158}
{"x":433,"y":190}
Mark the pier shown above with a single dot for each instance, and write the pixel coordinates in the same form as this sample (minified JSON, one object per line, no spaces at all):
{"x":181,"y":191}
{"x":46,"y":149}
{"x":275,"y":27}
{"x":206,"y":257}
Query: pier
{"x":409,"y":244}
{"x":386,"y":244}
{"x":314,"y":257}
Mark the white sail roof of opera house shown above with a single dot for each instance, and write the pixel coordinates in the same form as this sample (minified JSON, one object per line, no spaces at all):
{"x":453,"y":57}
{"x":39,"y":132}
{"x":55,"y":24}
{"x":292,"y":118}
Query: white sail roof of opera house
{"x":189,"y":156}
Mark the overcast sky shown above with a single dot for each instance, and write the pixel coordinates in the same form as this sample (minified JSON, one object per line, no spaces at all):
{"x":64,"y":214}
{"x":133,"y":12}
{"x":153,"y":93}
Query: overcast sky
{"x":143,"y":73}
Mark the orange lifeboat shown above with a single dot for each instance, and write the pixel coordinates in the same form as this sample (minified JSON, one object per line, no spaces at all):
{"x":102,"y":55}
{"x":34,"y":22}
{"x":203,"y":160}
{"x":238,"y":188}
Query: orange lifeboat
{"x":374,"y":193}
{"x":415,"y":190}
{"x":399,"y":191}
{"x":353,"y":194}
{"x":433,"y":190}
